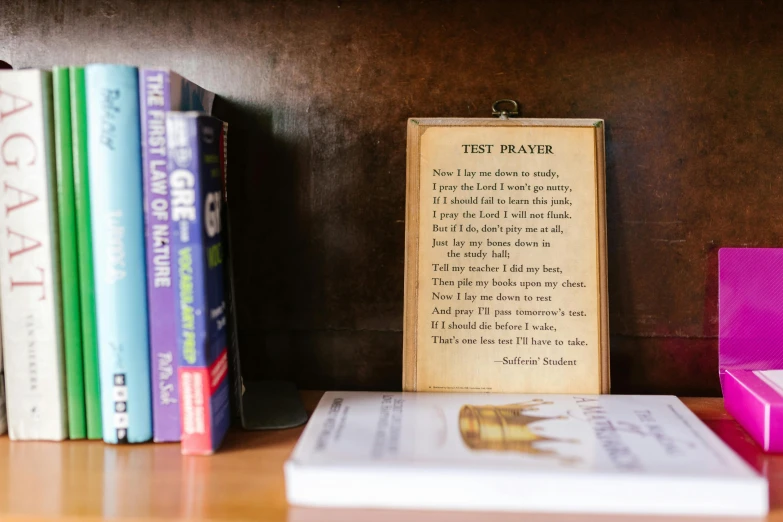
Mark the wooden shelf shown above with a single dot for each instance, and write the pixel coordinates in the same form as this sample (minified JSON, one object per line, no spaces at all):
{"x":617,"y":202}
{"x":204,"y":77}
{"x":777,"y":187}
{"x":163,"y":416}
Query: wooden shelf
{"x":244,"y":481}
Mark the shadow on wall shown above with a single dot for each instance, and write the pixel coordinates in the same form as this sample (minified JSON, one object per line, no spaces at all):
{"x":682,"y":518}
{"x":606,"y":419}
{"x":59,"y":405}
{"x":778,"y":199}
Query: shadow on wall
{"x":262,"y":192}
{"x":304,"y":256}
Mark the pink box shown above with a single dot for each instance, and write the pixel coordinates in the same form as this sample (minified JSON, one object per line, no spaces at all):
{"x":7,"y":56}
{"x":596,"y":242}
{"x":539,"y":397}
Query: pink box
{"x":751,"y":340}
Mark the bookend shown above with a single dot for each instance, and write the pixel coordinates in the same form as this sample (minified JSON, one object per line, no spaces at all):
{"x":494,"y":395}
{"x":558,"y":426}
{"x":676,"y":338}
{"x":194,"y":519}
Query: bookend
{"x":270,"y":405}
{"x":259,"y":405}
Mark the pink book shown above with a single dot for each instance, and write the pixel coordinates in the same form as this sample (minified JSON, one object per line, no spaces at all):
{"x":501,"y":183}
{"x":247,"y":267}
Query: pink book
{"x":751,"y":341}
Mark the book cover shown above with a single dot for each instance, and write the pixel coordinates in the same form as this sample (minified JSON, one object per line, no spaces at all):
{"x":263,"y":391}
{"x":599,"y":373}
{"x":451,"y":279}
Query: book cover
{"x":498,"y":452}
{"x":30,"y":304}
{"x":115,"y":178}
{"x":161,"y":91}
{"x":81,"y":186}
{"x":195,"y":181}
{"x":69,"y":264}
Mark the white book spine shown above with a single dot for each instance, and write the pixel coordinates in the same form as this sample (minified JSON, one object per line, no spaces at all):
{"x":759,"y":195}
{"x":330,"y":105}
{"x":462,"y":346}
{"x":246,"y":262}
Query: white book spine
{"x":29,"y":268}
{"x":451,"y":488}
{"x":2,"y":394}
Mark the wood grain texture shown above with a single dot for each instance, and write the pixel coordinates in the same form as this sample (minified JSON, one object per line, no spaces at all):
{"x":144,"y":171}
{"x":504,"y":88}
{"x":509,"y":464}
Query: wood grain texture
{"x":89,"y":480}
{"x":318,"y":94}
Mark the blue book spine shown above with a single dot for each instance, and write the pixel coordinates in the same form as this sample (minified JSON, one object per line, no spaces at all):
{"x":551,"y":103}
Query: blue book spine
{"x":195,"y":182}
{"x":115,"y":174}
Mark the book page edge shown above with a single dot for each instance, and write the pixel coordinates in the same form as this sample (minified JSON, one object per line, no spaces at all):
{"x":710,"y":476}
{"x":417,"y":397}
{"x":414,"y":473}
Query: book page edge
{"x":411,"y":277}
{"x":603,"y":279}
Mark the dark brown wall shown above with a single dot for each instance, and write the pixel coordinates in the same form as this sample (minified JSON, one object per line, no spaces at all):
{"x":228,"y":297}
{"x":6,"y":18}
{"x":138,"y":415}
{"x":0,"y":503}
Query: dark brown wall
{"x":318,"y":94}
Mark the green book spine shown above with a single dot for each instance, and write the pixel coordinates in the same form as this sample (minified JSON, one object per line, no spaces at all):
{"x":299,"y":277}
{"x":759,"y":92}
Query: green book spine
{"x":89,"y":330}
{"x":69,"y":270}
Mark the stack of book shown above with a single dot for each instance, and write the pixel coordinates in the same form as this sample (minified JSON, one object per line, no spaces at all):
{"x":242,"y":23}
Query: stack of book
{"x":111,"y":258}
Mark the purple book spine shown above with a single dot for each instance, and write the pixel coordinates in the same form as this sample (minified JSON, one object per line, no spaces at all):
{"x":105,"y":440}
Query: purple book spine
{"x":155,"y":93}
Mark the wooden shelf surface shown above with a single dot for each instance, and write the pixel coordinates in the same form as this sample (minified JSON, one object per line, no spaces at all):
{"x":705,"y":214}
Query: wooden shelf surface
{"x":244,"y":481}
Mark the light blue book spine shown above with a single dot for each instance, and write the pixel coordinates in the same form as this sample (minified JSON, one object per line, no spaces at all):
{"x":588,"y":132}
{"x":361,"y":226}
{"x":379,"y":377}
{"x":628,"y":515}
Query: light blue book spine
{"x":115,"y":172}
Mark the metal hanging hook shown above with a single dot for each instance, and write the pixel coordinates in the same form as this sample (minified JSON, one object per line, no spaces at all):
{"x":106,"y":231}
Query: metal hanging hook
{"x":502,"y":113}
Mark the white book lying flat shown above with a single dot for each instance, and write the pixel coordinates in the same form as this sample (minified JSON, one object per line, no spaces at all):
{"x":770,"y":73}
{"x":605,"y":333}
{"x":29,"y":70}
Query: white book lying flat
{"x":492,"y":452}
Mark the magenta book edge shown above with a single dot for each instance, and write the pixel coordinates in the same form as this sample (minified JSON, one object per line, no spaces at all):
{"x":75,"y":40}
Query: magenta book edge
{"x":756,"y":406}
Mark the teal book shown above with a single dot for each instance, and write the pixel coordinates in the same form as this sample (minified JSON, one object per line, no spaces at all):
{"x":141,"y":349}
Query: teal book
{"x":69,"y":262}
{"x":116,"y":211}
{"x":81,"y":189}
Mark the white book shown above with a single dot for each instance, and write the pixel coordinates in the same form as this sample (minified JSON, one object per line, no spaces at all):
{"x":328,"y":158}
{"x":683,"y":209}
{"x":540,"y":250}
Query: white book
{"x":29,"y":269}
{"x":494,"y":452}
{"x":2,"y":394}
